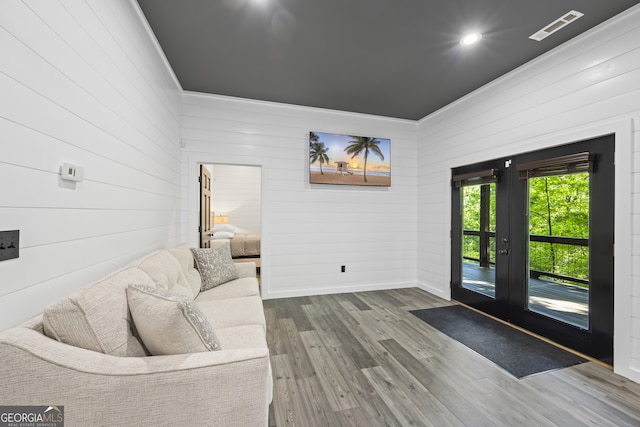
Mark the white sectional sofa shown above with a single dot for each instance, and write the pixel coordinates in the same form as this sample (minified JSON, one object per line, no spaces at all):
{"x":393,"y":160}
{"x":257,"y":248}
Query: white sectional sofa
{"x":85,"y":352}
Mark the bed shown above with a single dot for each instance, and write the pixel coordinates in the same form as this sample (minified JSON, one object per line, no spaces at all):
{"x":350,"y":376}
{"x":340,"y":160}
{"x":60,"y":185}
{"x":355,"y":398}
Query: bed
{"x":244,"y":246}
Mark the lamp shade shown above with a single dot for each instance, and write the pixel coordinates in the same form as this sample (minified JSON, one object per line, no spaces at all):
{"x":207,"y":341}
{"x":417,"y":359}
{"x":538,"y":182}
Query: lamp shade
{"x":221,"y":219}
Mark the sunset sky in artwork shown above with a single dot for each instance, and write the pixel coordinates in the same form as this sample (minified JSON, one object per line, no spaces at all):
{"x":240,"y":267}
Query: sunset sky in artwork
{"x":337,"y":143}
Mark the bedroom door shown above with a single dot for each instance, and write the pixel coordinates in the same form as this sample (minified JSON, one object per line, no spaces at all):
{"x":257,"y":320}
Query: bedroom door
{"x":205,"y":207}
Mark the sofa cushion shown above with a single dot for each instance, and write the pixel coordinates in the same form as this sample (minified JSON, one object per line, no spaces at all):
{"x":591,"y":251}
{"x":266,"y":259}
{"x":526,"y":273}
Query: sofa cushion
{"x":245,"y":268}
{"x":232,"y":312}
{"x":215,"y":266}
{"x":169,"y":323}
{"x":97,"y":317}
{"x":243,"y":287}
{"x":246,"y":336}
{"x":185,"y":258}
{"x":166,"y":272}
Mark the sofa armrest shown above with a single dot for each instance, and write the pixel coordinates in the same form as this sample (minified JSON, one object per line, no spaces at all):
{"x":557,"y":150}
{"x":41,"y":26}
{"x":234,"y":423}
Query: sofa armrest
{"x":228,"y":387}
{"x":246,"y":269}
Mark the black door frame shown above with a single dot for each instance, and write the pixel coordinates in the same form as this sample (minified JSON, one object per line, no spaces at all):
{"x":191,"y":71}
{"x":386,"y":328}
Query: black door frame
{"x":498,"y":306}
{"x":511,"y":304}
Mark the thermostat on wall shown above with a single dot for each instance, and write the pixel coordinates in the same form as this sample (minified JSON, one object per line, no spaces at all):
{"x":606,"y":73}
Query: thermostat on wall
{"x":71,"y":172}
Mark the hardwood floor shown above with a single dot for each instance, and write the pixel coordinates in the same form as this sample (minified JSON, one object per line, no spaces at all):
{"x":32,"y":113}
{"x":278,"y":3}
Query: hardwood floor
{"x":363,"y":360}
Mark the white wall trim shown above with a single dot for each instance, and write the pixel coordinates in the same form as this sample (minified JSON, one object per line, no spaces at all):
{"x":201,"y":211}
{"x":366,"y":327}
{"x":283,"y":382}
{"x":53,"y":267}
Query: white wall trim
{"x":343,"y":289}
{"x":442,"y":293}
{"x":156,"y":44}
{"x":293,"y":107}
{"x":623,"y":130}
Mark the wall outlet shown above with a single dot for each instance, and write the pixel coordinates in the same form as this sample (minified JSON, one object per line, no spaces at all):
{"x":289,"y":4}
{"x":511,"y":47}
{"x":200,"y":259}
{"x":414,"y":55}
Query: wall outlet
{"x":343,"y":269}
{"x":9,"y":244}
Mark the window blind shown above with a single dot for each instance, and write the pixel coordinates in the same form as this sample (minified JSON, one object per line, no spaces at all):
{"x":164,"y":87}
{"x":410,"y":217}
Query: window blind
{"x":563,"y":165}
{"x":486,"y":176}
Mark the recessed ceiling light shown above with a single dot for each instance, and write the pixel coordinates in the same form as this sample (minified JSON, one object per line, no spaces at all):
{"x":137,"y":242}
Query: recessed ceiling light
{"x":470,"y":39}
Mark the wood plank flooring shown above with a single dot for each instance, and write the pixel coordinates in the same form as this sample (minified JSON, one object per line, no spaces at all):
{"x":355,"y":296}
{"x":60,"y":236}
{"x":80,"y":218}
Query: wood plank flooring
{"x":363,"y":360}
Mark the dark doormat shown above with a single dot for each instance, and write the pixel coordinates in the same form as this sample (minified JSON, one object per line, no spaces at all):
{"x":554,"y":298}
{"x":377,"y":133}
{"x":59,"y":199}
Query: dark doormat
{"x":516,"y":352}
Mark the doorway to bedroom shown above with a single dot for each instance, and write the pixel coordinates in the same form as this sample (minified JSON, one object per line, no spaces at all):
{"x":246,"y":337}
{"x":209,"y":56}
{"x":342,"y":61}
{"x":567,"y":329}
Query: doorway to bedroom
{"x":230,"y":201}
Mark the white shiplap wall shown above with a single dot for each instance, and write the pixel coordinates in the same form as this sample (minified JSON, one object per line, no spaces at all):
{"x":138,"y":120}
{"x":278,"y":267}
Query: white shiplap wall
{"x":82,"y":82}
{"x":587,"y":87}
{"x":235,"y":192}
{"x":309,"y":232}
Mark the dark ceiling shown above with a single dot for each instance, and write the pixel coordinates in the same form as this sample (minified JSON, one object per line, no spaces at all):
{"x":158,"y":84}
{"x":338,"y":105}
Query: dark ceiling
{"x":394,"y":58}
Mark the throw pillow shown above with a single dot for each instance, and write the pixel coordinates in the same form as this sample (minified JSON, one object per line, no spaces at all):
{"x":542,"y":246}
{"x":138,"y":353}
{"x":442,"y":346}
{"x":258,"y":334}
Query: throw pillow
{"x":97,"y":317}
{"x":169,"y":323}
{"x":215,"y":266}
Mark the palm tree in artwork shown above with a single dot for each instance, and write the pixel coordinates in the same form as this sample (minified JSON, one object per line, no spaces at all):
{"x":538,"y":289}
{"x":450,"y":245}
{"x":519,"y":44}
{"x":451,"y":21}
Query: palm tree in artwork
{"x":313,"y":138}
{"x":366,"y":144}
{"x":318,"y":153}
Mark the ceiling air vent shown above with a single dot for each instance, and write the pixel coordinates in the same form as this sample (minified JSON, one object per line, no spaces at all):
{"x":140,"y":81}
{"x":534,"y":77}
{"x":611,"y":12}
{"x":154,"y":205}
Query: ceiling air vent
{"x":556,"y":25}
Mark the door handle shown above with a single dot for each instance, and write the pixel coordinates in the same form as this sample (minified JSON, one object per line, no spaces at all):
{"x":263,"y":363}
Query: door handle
{"x":503,"y":251}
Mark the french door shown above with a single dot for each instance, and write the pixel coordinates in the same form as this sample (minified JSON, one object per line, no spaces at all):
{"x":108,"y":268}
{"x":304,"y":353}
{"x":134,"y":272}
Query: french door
{"x":532,"y":242}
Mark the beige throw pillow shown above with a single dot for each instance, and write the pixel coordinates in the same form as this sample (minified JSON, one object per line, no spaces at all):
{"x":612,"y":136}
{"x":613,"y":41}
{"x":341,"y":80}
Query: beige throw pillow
{"x":215,"y":266}
{"x":97,"y":317}
{"x":169,"y":323}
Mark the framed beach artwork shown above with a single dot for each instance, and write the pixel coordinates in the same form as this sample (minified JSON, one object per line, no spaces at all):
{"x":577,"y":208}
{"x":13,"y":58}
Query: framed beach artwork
{"x":349,"y":160}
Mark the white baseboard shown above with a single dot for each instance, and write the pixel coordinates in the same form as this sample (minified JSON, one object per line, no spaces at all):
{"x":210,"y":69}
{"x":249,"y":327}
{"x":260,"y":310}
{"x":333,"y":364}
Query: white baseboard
{"x":446,"y":294}
{"x":336,"y":290}
{"x":631,"y":372}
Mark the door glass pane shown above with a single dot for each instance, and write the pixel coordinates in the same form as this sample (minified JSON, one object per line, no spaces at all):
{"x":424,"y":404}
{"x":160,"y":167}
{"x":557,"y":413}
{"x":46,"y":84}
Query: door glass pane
{"x":558,"y":247}
{"x":479,"y":238}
